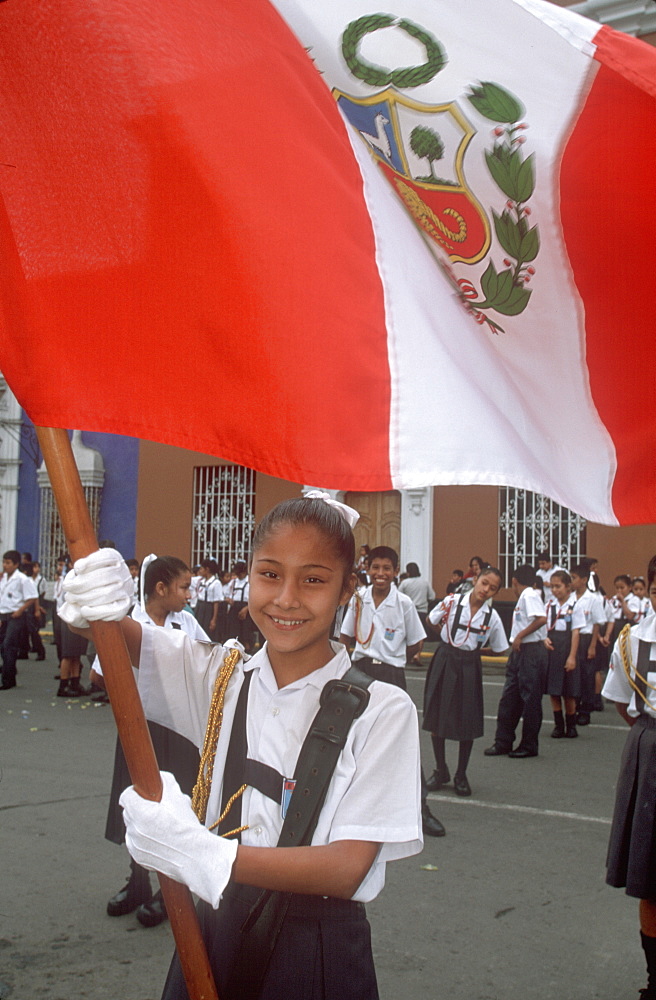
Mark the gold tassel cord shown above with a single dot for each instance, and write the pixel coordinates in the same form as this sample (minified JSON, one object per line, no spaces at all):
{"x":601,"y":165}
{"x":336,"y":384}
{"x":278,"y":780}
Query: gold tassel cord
{"x":624,"y":639}
{"x":201,"y":793}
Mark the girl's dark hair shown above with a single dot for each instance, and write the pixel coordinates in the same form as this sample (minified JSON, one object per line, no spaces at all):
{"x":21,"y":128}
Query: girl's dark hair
{"x":412,"y":570}
{"x":563,"y":577}
{"x":623,"y":578}
{"x":582,"y":569}
{"x":487,"y":570}
{"x":303,"y":511}
{"x":211,"y":565}
{"x":651,"y":570}
{"x":164,"y":570}
{"x":638,"y":579}
{"x":479,"y":559}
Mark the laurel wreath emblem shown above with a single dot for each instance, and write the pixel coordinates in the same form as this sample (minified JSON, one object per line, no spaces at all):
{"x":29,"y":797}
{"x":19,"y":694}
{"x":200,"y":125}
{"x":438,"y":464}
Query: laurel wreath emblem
{"x":505,"y":291}
{"x":377,"y":76}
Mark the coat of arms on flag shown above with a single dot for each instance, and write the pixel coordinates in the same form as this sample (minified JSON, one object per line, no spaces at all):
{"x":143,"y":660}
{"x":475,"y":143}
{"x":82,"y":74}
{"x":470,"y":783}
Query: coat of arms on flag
{"x":421,"y":150}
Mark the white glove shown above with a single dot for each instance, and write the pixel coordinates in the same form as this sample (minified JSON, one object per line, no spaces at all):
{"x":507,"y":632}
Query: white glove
{"x":167,"y":837}
{"x":98,"y":588}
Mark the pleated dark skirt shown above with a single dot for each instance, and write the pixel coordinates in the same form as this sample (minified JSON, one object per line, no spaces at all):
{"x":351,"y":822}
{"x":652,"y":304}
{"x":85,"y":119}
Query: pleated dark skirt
{"x":453,"y":696}
{"x":203,"y":612}
{"x":72,"y":645}
{"x":560,"y":682}
{"x":631,"y":858}
{"x":174,"y":753}
{"x":323,"y":951}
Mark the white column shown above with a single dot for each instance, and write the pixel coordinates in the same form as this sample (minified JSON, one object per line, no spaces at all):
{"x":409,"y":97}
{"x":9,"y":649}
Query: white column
{"x":417,"y":529}
{"x":10,"y":432}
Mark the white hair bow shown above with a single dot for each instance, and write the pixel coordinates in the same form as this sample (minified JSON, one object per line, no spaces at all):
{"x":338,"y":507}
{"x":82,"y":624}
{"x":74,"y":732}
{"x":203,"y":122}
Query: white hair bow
{"x":142,"y":577}
{"x":350,"y":515}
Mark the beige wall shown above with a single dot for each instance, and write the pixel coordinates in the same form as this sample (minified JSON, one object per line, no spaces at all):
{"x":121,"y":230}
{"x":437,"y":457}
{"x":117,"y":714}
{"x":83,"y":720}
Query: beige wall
{"x":164,"y":508}
{"x":465,"y":524}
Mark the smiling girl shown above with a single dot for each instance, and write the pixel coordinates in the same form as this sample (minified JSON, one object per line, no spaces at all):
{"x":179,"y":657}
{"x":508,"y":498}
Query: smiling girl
{"x":301,"y":572}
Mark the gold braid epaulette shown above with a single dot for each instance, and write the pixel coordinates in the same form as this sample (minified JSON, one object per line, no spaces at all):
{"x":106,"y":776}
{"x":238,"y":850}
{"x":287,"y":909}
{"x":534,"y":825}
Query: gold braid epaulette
{"x":201,"y":793}
{"x":624,"y":641}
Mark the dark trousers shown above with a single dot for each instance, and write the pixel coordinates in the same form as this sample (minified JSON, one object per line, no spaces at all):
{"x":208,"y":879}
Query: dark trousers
{"x":382,"y":671}
{"x":588,"y":671}
{"x":33,"y":625}
{"x":521,"y":697}
{"x":11,"y":631}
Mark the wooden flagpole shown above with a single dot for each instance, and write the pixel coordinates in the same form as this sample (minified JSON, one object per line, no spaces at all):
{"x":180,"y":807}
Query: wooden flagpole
{"x":126,"y":704}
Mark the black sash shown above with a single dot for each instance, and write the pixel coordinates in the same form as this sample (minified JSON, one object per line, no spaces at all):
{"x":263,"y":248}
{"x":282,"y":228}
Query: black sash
{"x":480,"y":632}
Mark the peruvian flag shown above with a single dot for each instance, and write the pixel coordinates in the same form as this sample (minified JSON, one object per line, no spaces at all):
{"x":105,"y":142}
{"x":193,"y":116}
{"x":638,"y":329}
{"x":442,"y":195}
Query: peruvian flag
{"x":348,"y":247}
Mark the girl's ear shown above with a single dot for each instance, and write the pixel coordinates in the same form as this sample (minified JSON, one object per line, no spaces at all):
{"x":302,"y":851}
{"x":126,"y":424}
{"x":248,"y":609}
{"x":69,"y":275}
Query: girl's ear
{"x":160,"y":588}
{"x":349,"y":590}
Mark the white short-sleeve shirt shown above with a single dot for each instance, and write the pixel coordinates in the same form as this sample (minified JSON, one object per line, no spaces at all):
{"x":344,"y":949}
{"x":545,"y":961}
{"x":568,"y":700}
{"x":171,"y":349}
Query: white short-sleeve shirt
{"x":210,"y":590}
{"x":641,"y":606}
{"x":14,"y":591}
{"x":617,"y":686}
{"x":468,"y":635}
{"x":374,"y":793}
{"x":383,"y":632}
{"x":591,"y":605}
{"x":559,"y":616}
{"x":529,"y":606}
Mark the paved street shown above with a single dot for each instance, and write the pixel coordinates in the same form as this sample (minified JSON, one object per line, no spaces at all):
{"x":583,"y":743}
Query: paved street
{"x":517,"y":907}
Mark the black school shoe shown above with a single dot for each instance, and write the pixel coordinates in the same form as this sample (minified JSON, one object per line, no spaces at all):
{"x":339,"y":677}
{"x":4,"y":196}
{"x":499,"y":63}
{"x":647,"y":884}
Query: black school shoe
{"x":521,"y":752}
{"x":133,"y":894}
{"x":496,"y":751}
{"x":153,"y":912}
{"x":438,"y":778}
{"x":430,"y":824}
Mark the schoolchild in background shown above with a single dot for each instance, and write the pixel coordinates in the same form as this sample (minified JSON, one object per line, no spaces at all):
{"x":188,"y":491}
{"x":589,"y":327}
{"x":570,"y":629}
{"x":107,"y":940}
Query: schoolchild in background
{"x":526,"y":670}
{"x":637,"y":601}
{"x":384,"y":624}
{"x":546,"y":569}
{"x":631,"y":862}
{"x":453,"y":697}
{"x":564,"y":623}
{"x":17,"y":595}
{"x":240,"y":624}
{"x":35,"y":615}
{"x":622,"y":613}
{"x":165,"y":588}
{"x":196,"y":580}
{"x":301,"y":570}
{"x":591,"y":605}
{"x":454,"y":582}
{"x":210,"y":595}
{"x":133,"y":566}
{"x":362,"y":565}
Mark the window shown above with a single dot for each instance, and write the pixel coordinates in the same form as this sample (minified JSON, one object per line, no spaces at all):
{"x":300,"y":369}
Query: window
{"x":223,"y":514}
{"x":530,"y":523}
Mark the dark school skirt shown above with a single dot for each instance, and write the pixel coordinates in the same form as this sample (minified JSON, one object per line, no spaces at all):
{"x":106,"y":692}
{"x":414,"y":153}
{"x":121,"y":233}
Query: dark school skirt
{"x":560,"y":682}
{"x":203,"y":612}
{"x":631,"y":858}
{"x":174,"y":753}
{"x":323,"y":951}
{"x":453,"y":696}
{"x":72,"y":644}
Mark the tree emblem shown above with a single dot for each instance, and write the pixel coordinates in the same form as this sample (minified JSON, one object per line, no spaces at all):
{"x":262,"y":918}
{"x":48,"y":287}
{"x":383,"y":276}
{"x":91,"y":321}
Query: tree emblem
{"x":427,"y":144}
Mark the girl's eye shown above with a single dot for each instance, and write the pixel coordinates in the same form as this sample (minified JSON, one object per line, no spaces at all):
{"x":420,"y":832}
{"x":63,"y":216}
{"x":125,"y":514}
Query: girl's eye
{"x":314,"y":579}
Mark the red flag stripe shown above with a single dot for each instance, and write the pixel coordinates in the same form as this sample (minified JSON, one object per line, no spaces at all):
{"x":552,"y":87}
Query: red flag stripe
{"x":608,"y":201}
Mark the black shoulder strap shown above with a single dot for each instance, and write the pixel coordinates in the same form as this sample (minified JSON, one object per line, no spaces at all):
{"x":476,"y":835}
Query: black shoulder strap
{"x":342,"y":701}
{"x":484,"y":625}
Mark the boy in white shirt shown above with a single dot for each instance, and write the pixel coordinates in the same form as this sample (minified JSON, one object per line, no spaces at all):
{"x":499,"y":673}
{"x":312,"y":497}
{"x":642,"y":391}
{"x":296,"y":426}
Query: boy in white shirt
{"x":17,"y":594}
{"x":525,"y":673}
{"x":546,"y":569}
{"x":384,"y":622}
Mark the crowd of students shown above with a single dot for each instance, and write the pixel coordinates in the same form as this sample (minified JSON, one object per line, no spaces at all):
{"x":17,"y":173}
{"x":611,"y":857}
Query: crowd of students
{"x":563,"y":630}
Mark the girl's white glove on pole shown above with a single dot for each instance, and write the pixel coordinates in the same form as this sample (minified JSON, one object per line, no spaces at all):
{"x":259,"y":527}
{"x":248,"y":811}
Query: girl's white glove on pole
{"x":98,"y":588}
{"x":167,"y":837}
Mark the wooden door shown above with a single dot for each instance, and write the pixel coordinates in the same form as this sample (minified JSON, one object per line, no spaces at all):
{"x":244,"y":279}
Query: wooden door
{"x":380,"y":518}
